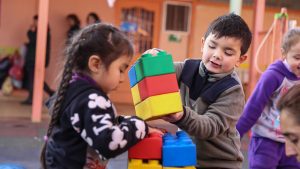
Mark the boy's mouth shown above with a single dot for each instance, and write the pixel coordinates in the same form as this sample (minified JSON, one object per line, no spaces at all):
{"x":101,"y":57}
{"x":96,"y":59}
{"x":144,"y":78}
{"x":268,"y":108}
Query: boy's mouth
{"x":215,"y":64}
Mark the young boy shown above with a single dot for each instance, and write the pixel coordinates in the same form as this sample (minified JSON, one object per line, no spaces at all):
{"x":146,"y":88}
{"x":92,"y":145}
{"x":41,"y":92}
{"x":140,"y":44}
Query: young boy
{"x":212,"y":93}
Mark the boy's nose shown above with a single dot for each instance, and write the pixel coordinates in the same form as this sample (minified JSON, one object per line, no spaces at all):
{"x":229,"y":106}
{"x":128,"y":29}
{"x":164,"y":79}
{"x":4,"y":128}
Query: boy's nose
{"x":217,"y":54}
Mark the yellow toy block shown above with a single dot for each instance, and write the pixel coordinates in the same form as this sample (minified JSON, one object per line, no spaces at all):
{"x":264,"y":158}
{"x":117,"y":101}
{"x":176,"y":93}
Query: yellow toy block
{"x":159,"y":105}
{"x":139,"y":164}
{"x":188,"y":167}
{"x":135,"y":94}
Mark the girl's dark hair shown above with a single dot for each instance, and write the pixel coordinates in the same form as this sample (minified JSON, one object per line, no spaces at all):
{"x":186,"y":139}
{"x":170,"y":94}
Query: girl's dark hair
{"x":102,"y":40}
{"x":75,"y":18}
{"x":291,"y":102}
{"x":95,"y":16}
{"x":290,"y":38}
{"x":231,"y":25}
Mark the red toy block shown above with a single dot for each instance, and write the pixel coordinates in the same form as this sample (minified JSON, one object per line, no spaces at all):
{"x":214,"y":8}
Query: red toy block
{"x":148,"y":148}
{"x":157,"y":85}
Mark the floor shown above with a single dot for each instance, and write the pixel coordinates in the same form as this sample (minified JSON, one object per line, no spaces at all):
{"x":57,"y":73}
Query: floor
{"x":20,"y":139}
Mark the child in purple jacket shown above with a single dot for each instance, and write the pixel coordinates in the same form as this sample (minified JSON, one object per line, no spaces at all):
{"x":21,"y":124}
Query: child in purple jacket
{"x":267,"y":146}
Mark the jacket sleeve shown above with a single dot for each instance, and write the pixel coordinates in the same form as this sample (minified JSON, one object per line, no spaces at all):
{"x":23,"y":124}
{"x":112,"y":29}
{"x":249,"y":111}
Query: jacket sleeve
{"x":93,"y":117}
{"x":178,"y":69}
{"x":267,"y":84}
{"x":217,"y":119}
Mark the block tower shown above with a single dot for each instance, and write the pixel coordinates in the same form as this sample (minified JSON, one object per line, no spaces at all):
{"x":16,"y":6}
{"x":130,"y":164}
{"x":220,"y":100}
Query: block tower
{"x":167,"y":152}
{"x":154,"y":86}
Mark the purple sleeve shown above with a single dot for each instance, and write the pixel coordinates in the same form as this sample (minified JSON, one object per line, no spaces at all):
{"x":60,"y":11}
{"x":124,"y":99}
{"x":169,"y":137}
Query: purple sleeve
{"x":267,"y":84}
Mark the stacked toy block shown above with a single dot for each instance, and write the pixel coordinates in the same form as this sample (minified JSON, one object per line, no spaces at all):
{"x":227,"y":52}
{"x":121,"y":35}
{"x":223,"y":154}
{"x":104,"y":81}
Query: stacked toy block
{"x":178,"y":151}
{"x":154,"y":86}
{"x":167,"y":152}
{"x":147,"y":153}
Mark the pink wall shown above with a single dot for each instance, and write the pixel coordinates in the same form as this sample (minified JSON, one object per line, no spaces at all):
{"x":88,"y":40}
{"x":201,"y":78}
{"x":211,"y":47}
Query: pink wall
{"x":57,"y":12}
{"x":16,"y":17}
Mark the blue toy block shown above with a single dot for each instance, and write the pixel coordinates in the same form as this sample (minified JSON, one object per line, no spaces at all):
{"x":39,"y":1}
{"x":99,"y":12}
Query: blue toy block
{"x":10,"y":166}
{"x":178,"y":151}
{"x":132,"y":76}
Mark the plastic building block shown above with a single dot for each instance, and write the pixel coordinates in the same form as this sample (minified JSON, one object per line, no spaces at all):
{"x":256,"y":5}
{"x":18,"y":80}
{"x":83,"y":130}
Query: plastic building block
{"x":139,"y":164}
{"x":149,"y":148}
{"x":160,"y":105}
{"x":132,"y":76}
{"x":156,"y":85}
{"x":149,"y":65}
{"x":174,"y":147}
{"x":135,"y":94}
{"x":188,"y":167}
{"x":10,"y":166}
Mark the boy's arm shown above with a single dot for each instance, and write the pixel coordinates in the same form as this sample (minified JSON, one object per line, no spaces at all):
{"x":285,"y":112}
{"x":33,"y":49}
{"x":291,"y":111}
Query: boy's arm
{"x":217,"y":119}
{"x":261,"y":95}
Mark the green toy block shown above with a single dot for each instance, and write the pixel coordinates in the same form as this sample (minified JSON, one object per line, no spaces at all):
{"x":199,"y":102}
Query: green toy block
{"x":150,"y":65}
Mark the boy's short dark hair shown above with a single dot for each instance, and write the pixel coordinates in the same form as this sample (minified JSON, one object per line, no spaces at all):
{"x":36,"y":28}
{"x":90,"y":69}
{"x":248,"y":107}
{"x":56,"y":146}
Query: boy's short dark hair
{"x":231,"y":25}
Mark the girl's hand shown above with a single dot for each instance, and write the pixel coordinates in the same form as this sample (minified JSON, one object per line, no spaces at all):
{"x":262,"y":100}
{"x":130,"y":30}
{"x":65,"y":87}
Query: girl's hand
{"x":155,"y":130}
{"x":172,"y":118}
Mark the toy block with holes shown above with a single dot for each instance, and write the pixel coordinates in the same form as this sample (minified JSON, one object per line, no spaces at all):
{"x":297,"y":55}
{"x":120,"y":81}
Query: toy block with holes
{"x":160,"y":105}
{"x":143,"y":164}
{"x":132,"y":75}
{"x":153,"y":65}
{"x":188,"y":167}
{"x":178,"y":150}
{"x":149,"y":148}
{"x":154,"y":86}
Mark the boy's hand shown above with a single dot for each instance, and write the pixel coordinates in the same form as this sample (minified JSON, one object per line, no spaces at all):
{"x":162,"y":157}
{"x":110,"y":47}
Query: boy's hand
{"x":153,"y":51}
{"x":173,"y":117}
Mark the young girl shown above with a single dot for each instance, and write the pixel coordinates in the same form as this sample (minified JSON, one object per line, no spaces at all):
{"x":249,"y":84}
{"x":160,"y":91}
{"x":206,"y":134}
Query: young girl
{"x":82,"y":115}
{"x":289,"y":108}
{"x":267,"y":146}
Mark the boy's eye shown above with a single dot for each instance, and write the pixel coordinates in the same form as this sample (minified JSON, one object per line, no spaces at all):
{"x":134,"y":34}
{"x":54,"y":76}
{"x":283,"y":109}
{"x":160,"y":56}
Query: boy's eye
{"x":211,"y":46}
{"x":122,"y":70}
{"x":228,"y":53}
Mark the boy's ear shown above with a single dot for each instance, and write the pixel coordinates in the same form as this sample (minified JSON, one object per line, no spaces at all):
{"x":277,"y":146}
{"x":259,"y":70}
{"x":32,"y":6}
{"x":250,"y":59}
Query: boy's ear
{"x":241,"y":60}
{"x":94,"y":63}
{"x":202,"y":43}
